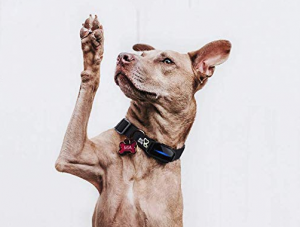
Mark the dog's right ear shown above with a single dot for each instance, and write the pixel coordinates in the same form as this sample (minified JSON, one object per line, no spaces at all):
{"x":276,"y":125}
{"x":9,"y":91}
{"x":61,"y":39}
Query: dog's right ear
{"x":142,"y":47}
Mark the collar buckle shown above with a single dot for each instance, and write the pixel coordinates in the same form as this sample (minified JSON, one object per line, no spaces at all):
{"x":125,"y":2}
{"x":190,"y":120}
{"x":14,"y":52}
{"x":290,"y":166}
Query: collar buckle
{"x":122,"y":126}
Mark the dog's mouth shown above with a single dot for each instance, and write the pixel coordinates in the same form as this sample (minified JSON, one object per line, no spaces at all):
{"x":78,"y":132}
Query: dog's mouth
{"x":122,"y":79}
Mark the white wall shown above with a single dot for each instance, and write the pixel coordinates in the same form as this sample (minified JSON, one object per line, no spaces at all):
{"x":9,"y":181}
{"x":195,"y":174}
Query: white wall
{"x":241,"y":167}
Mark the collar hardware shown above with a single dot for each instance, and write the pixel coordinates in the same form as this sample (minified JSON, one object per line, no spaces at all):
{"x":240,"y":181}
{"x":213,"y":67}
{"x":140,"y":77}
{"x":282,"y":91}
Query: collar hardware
{"x":152,"y":148}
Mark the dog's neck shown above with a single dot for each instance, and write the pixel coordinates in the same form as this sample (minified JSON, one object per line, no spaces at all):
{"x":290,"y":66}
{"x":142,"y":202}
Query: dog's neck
{"x":165,"y":126}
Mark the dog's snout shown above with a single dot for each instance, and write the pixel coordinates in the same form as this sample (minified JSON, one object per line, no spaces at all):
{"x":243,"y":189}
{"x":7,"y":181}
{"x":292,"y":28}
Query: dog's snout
{"x":126,"y":58}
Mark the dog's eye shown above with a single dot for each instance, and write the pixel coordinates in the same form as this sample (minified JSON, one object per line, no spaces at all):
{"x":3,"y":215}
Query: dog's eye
{"x":168,"y":61}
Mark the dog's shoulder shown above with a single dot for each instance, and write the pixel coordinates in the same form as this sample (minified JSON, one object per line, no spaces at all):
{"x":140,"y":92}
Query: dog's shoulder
{"x":107,"y":138}
{"x":107,"y":142}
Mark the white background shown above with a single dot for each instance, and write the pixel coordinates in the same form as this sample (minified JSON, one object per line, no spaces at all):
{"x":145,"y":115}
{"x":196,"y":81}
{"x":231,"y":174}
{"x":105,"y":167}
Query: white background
{"x":241,"y":167}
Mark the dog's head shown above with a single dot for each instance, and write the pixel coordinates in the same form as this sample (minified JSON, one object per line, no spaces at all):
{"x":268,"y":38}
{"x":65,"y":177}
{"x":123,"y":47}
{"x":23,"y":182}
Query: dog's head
{"x":168,"y":77}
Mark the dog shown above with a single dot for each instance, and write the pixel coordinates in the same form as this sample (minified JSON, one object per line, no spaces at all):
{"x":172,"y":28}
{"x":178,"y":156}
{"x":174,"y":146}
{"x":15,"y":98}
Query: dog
{"x":137,"y":189}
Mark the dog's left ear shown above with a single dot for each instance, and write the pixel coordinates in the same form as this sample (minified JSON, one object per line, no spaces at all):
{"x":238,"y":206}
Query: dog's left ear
{"x":205,"y":59}
{"x":142,"y":47}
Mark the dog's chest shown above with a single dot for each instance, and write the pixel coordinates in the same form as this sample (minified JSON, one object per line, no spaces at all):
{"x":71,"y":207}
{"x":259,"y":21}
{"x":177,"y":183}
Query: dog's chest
{"x":153,"y":199}
{"x":156,"y":202}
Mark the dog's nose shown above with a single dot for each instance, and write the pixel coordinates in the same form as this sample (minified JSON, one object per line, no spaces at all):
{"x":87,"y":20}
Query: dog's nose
{"x":125,"y":58}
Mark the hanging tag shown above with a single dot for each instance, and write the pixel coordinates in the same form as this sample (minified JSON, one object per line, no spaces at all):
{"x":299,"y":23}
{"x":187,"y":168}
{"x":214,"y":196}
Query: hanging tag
{"x":127,"y":146}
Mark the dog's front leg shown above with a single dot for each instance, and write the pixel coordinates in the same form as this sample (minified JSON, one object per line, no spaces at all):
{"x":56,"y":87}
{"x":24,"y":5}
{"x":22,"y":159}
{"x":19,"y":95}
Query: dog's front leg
{"x":78,"y":155}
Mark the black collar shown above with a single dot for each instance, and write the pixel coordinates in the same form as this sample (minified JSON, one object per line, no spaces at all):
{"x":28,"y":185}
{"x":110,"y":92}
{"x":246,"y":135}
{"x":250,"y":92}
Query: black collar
{"x":156,"y":150}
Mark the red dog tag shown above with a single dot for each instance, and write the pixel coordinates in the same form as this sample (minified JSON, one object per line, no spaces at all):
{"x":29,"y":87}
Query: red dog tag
{"x":127,"y":147}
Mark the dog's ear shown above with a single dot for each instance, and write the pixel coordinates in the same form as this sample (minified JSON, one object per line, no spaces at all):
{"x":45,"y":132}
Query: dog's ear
{"x":142,"y":47}
{"x":205,"y":59}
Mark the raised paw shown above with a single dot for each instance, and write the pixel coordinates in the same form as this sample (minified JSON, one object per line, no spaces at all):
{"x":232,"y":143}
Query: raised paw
{"x":92,"y":40}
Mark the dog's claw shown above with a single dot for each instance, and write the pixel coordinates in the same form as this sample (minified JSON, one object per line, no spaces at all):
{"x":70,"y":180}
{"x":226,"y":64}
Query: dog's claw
{"x":88,"y":22}
{"x":95,"y":24}
{"x":91,"y":25}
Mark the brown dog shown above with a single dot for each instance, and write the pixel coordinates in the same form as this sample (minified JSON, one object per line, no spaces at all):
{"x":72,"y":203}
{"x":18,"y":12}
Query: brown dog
{"x":137,"y":190}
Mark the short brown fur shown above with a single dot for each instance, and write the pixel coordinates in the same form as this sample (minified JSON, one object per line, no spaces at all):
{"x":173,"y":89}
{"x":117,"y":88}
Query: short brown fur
{"x":136,"y":190}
